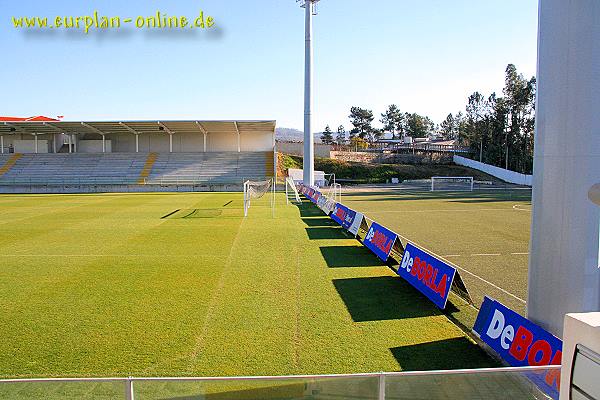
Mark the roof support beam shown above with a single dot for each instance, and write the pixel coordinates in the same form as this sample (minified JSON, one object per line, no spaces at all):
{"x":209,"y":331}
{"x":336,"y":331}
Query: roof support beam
{"x":54,"y":128}
{"x":96,"y":130}
{"x":201,"y":127}
{"x":16,"y":128}
{"x":239,"y":143}
{"x":130,"y":129}
{"x":165,"y":128}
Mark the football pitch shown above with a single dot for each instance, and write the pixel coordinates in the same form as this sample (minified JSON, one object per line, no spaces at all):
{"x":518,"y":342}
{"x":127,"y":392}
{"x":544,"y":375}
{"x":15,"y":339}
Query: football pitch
{"x":180,"y":284}
{"x":484,"y":233}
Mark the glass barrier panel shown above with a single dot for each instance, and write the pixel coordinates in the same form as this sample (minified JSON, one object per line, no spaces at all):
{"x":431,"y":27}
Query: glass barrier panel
{"x":62,"y":390}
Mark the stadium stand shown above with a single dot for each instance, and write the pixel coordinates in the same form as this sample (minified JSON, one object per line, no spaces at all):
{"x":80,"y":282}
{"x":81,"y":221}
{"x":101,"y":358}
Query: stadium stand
{"x":221,"y":167}
{"x":72,"y":156}
{"x":135,"y":168}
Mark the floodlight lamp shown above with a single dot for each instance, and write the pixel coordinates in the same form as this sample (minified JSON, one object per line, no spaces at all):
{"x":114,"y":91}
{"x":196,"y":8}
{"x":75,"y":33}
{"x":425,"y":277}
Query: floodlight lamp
{"x":313,"y":2}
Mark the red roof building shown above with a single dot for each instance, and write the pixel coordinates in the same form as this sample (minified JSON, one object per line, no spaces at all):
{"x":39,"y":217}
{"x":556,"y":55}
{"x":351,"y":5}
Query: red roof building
{"x":38,"y":118}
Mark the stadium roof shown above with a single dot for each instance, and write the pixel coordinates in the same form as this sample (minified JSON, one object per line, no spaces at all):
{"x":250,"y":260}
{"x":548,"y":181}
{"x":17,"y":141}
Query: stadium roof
{"x":135,"y":127}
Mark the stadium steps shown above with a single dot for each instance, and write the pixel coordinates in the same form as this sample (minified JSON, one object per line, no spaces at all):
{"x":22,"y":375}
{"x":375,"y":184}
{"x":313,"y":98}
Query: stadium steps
{"x":269,"y":166}
{"x":147,"y":168}
{"x":9,"y":163}
{"x":130,"y":168}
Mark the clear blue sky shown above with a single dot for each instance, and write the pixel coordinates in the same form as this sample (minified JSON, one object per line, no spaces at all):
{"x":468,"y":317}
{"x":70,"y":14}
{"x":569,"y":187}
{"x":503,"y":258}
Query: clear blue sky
{"x":426,"y":56}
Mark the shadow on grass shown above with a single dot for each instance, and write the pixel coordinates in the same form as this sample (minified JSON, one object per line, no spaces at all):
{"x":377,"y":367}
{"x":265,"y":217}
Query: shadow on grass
{"x":349,"y":256}
{"x":322,"y":233}
{"x":453,"y":353}
{"x":382,"y":298}
{"x":319,"y":221}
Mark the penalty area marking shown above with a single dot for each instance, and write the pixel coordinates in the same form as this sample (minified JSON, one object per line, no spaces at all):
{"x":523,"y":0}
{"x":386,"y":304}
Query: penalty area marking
{"x":468,"y":272}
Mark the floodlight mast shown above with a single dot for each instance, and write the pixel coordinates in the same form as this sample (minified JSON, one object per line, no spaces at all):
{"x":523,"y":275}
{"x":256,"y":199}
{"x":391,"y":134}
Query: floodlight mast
{"x":309,"y":144}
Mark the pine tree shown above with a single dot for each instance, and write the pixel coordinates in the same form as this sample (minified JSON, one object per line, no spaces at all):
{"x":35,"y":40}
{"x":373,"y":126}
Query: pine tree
{"x":327,"y":136}
{"x":341,"y":135}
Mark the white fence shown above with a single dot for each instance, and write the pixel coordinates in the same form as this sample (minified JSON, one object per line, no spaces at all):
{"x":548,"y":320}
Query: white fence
{"x":500,"y":173}
{"x":488,"y":383}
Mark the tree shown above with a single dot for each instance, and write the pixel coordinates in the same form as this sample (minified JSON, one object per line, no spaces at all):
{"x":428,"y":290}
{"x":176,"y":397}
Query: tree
{"x":327,"y":136}
{"x":361,"y":118}
{"x":341,"y":135}
{"x":418,"y":126}
{"x":448,"y":127}
{"x":359,"y":143}
{"x":393,"y":121}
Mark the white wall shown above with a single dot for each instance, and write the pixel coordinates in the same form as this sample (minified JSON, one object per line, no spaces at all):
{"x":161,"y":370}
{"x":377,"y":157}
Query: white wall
{"x":190,"y":142}
{"x":563,"y":263}
{"x":93,"y":146}
{"x":257,"y":141}
{"x":28,"y":146}
{"x":500,"y":173}
{"x":297,"y":149}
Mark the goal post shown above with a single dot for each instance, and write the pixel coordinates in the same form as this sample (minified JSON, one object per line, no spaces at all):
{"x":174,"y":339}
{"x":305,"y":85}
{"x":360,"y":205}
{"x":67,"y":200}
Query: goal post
{"x":291,"y":190}
{"x":254,"y":190}
{"x":452,"y":183}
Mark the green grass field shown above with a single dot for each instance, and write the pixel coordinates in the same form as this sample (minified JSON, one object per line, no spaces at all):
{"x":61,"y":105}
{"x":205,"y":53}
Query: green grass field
{"x":485,"y":233}
{"x":103,"y":285}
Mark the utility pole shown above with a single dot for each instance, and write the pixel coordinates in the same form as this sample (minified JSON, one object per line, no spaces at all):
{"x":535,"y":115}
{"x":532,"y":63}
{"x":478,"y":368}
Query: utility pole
{"x":309,"y":144}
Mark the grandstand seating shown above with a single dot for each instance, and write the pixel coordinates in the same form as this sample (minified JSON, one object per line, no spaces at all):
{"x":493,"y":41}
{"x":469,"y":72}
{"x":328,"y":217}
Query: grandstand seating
{"x":128,"y":168}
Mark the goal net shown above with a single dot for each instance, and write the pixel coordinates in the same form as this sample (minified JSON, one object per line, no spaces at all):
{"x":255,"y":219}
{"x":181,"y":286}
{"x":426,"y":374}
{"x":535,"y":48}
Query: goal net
{"x":452,"y":183}
{"x":257,"y":190}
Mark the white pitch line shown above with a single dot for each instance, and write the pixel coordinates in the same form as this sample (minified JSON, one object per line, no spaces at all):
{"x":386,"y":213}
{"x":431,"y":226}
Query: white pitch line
{"x":468,"y":272}
{"x":518,"y":208}
{"x":446,"y":210}
{"x":519,"y":254}
{"x":486,"y":255}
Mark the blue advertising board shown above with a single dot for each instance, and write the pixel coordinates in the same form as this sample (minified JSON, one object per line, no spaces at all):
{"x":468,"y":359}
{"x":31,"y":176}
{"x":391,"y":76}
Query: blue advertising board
{"x":427,"y":274}
{"x":520,"y":342}
{"x":380,"y":240}
{"x":346,"y":217}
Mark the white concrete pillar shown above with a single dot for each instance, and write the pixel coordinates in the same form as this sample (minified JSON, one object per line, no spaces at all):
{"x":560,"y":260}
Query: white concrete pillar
{"x":205,"y":142}
{"x":70,"y":141}
{"x":239,"y":143}
{"x":54,"y":143}
{"x":35,"y":143}
{"x":137,"y":143}
{"x":563,"y":266}
{"x":104,"y":143}
{"x":170,"y":142}
{"x":74,"y":143}
{"x":1,"y":144}
{"x":309,"y":143}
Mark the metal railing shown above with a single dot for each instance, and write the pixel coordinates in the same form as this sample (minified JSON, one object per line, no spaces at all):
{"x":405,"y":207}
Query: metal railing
{"x":489,"y":383}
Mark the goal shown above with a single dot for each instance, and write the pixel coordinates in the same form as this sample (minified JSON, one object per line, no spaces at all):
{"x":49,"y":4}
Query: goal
{"x":452,"y":183}
{"x":291,"y":190}
{"x":254,"y":190}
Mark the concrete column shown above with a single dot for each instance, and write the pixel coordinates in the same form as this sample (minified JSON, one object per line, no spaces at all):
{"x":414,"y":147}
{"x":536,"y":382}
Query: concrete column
{"x":74,"y":143}
{"x":1,"y":144}
{"x":170,"y":142}
{"x":70,"y":143}
{"x":35,"y":143}
{"x":563,"y":266}
{"x":205,"y":142}
{"x":54,"y":143}
{"x":309,"y":143}
{"x":137,"y":143}
{"x":104,"y":143}
{"x":239,"y":143}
